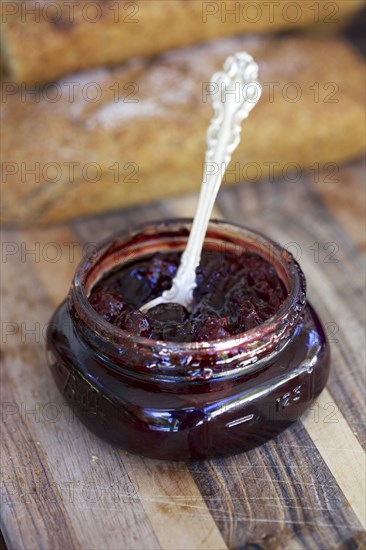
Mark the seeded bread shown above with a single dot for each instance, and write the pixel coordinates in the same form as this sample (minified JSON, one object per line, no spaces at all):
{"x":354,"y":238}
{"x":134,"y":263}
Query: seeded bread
{"x":45,"y":39}
{"x":90,"y":151}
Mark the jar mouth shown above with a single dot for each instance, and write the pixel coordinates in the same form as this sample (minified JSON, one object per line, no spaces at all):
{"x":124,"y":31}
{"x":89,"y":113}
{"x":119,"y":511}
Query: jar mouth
{"x":145,"y":239}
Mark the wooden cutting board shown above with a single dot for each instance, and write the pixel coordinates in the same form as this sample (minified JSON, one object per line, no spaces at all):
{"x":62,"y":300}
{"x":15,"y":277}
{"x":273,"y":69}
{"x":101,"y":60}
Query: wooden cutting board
{"x":63,"y":488}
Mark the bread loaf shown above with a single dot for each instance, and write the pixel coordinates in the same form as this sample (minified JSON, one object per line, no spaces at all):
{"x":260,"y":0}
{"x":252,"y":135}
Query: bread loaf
{"x":45,"y":39}
{"x":113,"y":138}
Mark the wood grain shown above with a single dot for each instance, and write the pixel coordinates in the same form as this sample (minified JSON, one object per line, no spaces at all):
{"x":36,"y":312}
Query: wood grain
{"x":64,"y":488}
{"x":346,"y":201}
{"x":341,"y":451}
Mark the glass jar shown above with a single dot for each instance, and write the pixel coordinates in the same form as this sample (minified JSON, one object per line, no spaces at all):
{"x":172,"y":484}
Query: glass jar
{"x":178,"y":401}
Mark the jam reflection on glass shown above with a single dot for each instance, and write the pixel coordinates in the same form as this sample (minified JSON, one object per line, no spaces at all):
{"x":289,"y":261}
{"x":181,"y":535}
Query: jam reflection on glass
{"x":247,"y":359}
{"x":234,"y":293}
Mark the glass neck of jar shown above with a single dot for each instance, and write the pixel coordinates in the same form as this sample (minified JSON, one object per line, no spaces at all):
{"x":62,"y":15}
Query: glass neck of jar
{"x":193,"y":360}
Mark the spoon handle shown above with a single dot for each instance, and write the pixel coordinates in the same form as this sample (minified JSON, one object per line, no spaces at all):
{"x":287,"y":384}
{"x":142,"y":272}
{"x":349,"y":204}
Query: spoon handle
{"x":235,"y":91}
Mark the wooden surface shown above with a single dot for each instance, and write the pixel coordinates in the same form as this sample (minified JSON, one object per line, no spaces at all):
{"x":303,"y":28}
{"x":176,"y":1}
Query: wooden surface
{"x":63,"y":488}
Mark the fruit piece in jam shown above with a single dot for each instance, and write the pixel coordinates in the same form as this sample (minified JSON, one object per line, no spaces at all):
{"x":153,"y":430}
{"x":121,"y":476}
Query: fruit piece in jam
{"x":234,"y":293}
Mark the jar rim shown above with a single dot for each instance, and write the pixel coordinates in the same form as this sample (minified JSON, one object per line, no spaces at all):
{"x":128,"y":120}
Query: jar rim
{"x":286,"y":316}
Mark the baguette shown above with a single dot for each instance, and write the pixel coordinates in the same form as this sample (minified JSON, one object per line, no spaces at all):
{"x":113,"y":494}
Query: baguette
{"x":43,"y":40}
{"x":78,"y":156}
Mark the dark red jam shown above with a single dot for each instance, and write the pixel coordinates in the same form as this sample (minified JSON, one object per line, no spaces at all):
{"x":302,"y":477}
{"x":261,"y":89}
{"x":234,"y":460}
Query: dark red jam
{"x":234,"y":293}
{"x":241,"y":366}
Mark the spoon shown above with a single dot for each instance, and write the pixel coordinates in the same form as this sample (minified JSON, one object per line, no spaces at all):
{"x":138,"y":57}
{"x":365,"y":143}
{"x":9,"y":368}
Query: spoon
{"x":235,"y":91}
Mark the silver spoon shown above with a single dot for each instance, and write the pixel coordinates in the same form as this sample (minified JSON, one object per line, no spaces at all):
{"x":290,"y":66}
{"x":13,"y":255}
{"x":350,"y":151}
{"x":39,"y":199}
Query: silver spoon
{"x":235,"y":93}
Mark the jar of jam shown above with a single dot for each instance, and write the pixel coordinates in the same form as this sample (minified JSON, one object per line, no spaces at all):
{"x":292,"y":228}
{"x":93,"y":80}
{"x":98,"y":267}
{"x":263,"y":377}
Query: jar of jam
{"x":187,"y":400}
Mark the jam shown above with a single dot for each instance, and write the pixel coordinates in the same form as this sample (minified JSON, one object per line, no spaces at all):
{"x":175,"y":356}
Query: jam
{"x":243,"y":364}
{"x":234,"y":293}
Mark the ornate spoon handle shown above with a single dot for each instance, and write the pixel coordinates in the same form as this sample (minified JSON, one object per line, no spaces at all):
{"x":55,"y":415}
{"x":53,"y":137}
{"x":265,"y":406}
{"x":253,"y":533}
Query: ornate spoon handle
{"x":235,"y":93}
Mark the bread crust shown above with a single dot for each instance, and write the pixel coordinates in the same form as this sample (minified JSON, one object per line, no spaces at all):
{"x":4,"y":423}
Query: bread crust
{"x":45,"y":39}
{"x":153,"y":135}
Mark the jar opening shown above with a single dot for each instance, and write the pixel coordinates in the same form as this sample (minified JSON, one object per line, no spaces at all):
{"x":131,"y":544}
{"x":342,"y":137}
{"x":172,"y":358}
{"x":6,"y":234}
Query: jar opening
{"x":172,"y":235}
